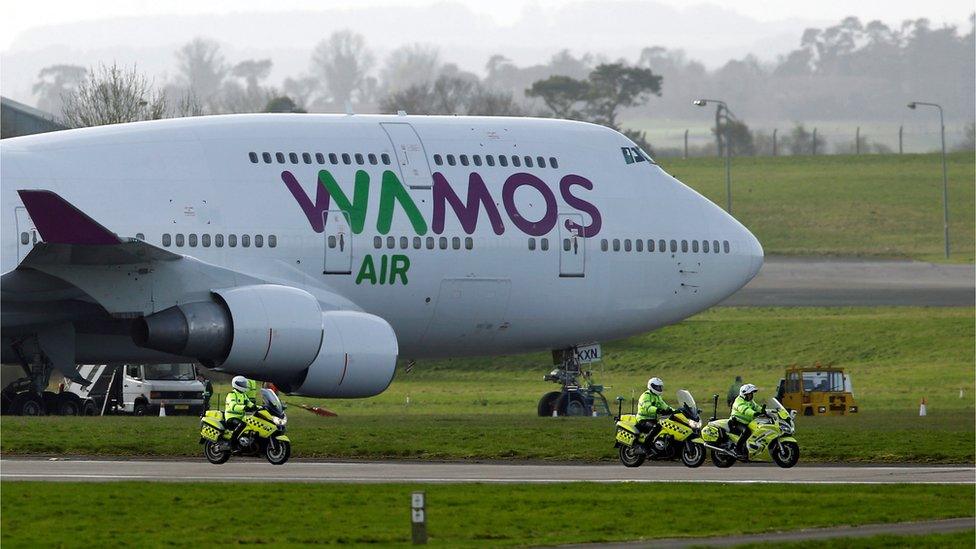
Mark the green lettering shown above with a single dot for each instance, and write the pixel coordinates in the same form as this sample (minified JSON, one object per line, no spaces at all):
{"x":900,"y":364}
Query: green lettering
{"x":356,"y":210}
{"x":383,"y":263}
{"x":393,"y":191}
{"x":399,"y":266}
{"x":367,"y":271}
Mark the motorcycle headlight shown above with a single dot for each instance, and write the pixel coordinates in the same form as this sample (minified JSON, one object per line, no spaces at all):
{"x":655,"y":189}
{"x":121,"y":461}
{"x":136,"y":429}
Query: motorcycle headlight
{"x":694,"y":424}
{"x":279,"y":421}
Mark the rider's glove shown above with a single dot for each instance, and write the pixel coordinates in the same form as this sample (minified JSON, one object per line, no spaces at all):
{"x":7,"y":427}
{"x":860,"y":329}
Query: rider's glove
{"x":250,"y":408}
{"x":763,"y":410}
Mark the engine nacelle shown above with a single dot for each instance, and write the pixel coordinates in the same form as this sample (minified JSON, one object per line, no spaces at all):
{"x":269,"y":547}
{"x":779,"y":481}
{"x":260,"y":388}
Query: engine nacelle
{"x":357,"y":359}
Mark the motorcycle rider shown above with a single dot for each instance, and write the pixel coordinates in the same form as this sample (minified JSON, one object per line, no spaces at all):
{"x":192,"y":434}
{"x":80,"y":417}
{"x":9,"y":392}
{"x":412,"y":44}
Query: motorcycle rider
{"x":236,"y":405}
{"x":744,"y":410}
{"x":651,"y":404}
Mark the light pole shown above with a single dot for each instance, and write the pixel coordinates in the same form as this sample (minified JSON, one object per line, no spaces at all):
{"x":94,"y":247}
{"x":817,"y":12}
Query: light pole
{"x":945,"y":175}
{"x":728,"y":147}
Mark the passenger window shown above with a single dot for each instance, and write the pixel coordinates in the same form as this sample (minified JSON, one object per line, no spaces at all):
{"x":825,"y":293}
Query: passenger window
{"x":531,"y":243}
{"x":346,"y":159}
{"x":476,"y":159}
{"x":438,"y":160}
{"x":662,"y":246}
{"x":490,"y":160}
{"x":258,"y":241}
{"x":416,"y":242}
{"x":245,"y":241}
{"x":266,"y":157}
{"x":705,"y":246}
{"x":541,"y":162}
{"x":553,"y":163}
{"x":205,"y":240}
{"x":639,"y":245}
{"x":167,"y":240}
{"x":307,"y":158}
{"x":674,"y":246}
{"x":694,"y":246}
{"x":280,"y":157}
{"x":515,"y":161}
{"x":604,"y":245}
{"x":359,"y":159}
{"x":232,"y":240}
{"x":390,"y":242}
{"x":503,"y":160}
{"x":377,"y":242}
{"x":333,"y":158}
{"x":627,"y":245}
{"x":141,"y":236}
{"x":180,"y":240}
{"x":684,"y":246}
{"x":468,"y":243}
{"x":725,"y":246}
{"x":193,"y":240}
{"x":372,"y":158}
{"x":254,"y":157}
{"x":332,"y":241}
{"x":616,"y":244}
{"x":566,"y":245}
{"x":464,"y":159}
{"x":528,"y":161}
{"x":404,"y":243}
{"x":456,"y":243}
{"x":219,"y":240}
{"x":385,"y":158}
{"x":545,"y":244}
{"x":293,"y":157}
{"x":715,"y":246}
{"x":430,"y":243}
{"x":442,"y":242}
{"x":272,"y":241}
{"x":650,"y":244}
{"x":320,"y":158}
{"x":450,"y":160}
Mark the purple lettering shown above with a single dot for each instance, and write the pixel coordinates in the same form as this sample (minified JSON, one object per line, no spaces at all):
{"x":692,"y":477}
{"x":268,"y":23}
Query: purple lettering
{"x":467,"y":213}
{"x":596,"y":221}
{"x":531,"y":228}
{"x":312,"y":211}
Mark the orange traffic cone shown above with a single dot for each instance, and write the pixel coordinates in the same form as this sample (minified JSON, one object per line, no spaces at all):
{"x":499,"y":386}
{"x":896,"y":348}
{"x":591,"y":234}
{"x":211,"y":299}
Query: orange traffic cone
{"x":162,"y":409}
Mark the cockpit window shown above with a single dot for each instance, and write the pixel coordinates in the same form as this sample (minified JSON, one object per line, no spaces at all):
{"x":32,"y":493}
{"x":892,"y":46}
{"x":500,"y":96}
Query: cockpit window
{"x":635,"y":154}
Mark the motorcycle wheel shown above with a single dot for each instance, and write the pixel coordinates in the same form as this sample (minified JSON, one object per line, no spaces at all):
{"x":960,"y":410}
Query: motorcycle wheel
{"x":277,"y":451}
{"x":786,"y":454}
{"x":213,"y":453}
{"x":630,"y":457}
{"x":693,"y":455}
{"x":722,"y":460}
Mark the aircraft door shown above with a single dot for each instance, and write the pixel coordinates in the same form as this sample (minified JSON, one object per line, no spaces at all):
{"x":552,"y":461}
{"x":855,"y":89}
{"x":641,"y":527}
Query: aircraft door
{"x":26,"y":233}
{"x":338,"y":243}
{"x":410,"y":155}
{"x":572,"y":246}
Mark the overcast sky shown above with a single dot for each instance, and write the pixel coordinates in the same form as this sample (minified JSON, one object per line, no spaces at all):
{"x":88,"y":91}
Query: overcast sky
{"x":21,"y":15}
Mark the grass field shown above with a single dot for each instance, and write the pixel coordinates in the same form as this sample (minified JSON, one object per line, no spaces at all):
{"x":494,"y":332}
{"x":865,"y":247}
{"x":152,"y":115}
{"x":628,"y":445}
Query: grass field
{"x":869,"y":205}
{"x":113,"y":514}
{"x":485,"y":408}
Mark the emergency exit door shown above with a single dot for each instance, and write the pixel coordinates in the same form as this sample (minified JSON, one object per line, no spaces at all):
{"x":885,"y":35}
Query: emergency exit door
{"x":410,"y":155}
{"x":572,"y":246}
{"x":338,"y":243}
{"x":26,"y":233}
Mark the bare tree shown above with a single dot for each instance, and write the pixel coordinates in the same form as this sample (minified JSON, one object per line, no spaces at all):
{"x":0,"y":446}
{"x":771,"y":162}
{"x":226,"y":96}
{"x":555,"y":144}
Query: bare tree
{"x":54,"y":82}
{"x":112,"y":95}
{"x":203,"y":69}
{"x":341,"y":62}
{"x":410,"y":65}
{"x":300,"y":89}
{"x":252,"y":96}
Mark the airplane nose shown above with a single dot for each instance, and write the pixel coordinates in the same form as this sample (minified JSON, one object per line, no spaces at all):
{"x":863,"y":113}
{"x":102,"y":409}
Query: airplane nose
{"x":754,"y":250}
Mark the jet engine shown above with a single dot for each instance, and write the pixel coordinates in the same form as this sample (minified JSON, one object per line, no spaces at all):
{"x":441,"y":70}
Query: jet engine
{"x":279,"y":334}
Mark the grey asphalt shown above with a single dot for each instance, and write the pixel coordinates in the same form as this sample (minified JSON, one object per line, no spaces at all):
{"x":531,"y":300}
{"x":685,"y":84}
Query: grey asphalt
{"x":811,"y":534}
{"x":198,"y":470}
{"x":816,"y":282}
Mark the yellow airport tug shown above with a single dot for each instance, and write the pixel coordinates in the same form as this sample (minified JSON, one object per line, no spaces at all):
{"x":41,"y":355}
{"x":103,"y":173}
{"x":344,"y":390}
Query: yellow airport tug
{"x":817,"y":391}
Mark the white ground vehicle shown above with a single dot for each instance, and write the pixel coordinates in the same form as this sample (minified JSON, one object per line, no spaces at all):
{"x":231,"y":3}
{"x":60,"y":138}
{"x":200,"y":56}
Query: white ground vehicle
{"x":145,"y":388}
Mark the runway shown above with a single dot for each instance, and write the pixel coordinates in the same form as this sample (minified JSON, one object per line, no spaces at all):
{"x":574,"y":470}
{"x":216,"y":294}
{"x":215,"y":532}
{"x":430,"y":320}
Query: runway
{"x":88,"y":470}
{"x":816,"y":282}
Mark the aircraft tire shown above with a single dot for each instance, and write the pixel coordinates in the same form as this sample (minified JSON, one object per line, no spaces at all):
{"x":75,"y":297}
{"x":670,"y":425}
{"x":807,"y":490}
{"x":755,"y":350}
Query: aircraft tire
{"x":28,"y":404}
{"x":548,"y":403}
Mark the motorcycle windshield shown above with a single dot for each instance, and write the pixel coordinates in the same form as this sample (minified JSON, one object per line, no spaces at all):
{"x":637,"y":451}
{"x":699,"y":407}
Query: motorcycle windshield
{"x":685,"y":399}
{"x":272,"y":402}
{"x":773,"y":405}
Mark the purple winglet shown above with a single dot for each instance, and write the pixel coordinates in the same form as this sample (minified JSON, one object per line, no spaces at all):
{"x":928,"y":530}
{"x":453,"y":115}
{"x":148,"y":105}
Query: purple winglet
{"x":59,"y":222}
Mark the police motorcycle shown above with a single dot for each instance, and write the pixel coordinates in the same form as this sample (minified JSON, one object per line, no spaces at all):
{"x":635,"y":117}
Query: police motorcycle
{"x":674,"y":437}
{"x":263,"y":434}
{"x":771,"y":438}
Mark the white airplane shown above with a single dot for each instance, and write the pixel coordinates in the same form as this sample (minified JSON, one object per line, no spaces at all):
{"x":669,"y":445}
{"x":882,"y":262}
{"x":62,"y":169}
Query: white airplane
{"x":314,"y":250}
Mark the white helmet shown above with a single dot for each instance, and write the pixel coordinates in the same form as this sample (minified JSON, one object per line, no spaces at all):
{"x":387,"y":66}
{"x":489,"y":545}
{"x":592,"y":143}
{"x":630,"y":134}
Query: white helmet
{"x":239,"y":383}
{"x":747,"y":389}
{"x":655,"y":385}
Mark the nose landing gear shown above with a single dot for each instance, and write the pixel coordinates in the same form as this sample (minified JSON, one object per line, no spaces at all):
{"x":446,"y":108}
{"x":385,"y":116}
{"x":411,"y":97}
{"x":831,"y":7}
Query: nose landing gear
{"x":578,"y":394}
